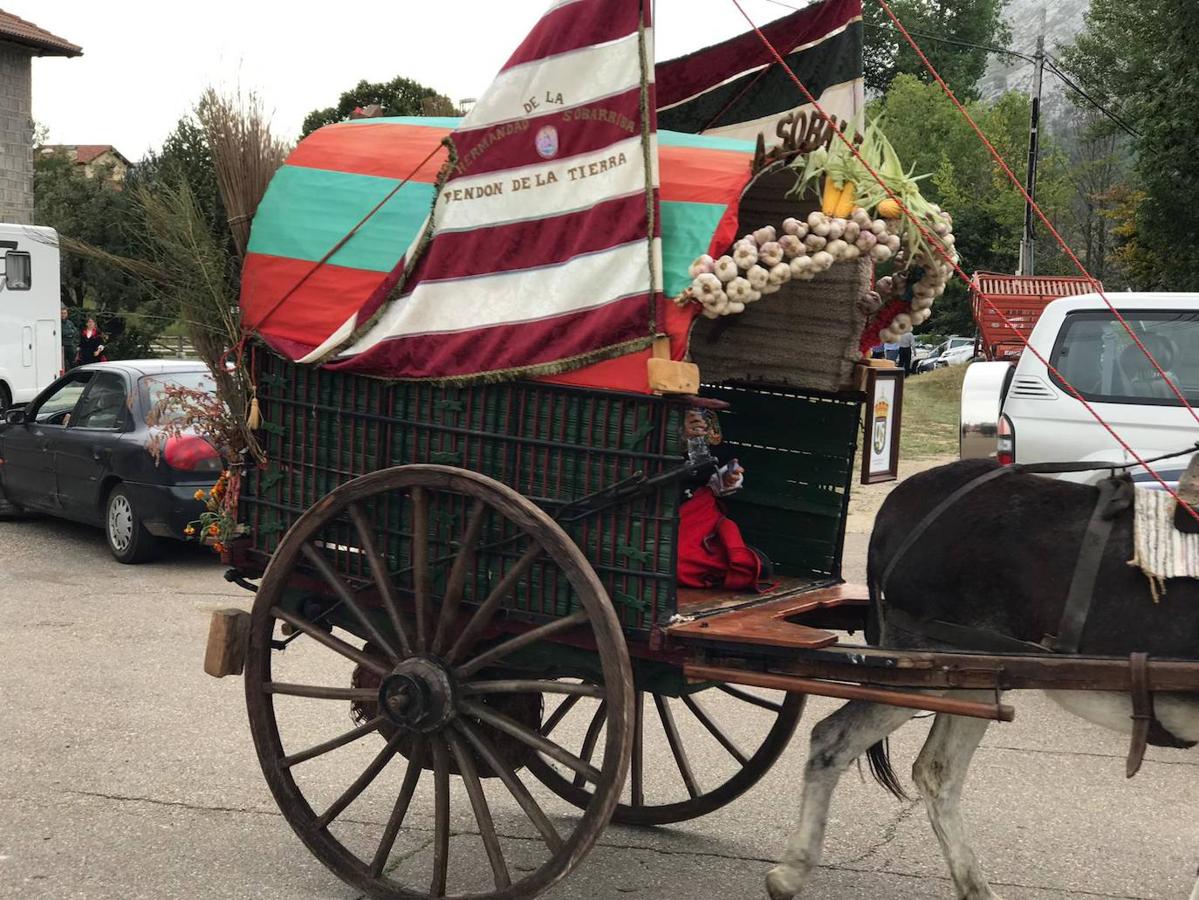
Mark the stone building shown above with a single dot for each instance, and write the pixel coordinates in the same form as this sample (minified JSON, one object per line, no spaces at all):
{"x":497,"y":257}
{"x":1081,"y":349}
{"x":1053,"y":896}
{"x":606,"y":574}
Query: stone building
{"x":20,"y":41}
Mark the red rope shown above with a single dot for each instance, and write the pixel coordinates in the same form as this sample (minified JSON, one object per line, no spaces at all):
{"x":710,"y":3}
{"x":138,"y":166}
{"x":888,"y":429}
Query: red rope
{"x":941,"y":250}
{"x":1036,"y":208}
{"x":341,"y":243}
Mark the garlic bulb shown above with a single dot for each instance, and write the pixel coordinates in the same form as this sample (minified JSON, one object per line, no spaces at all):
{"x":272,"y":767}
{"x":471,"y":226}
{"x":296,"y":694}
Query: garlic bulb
{"x":701,"y":265}
{"x":739,"y":290}
{"x":780,"y":274}
{"x":733,"y":307}
{"x":745,"y":254}
{"x":852,"y":230}
{"x":706,"y":286}
{"x":791,"y":246}
{"x":880,"y":253}
{"x":757,"y":276}
{"x":837,"y":248}
{"x":801,"y":265}
{"x":770,"y":254}
{"x":765,"y":235}
{"x":901,"y":324}
{"x":725,"y":269}
{"x":816,"y":217}
{"x":791,"y":226}
{"x":822,"y":261}
{"x":815,"y":242}
{"x":770,"y":287}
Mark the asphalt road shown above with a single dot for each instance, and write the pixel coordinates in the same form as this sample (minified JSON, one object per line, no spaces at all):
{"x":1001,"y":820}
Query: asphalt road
{"x":125,"y":772}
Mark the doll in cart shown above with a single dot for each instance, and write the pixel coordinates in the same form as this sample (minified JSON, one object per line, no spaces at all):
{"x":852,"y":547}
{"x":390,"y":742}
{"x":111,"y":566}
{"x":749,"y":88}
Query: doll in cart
{"x":712,"y":552}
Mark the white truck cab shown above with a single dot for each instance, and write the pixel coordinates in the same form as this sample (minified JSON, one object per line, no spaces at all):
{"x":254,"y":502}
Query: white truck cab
{"x":30,"y":337}
{"x":1023,"y":412}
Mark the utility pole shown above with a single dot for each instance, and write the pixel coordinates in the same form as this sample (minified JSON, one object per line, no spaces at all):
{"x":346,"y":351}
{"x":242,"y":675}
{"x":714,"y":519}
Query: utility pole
{"x":1027,"y":251}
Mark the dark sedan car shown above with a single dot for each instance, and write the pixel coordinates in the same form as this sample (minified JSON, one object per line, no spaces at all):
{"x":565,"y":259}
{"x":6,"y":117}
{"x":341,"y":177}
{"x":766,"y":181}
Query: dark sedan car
{"x":79,"y":450}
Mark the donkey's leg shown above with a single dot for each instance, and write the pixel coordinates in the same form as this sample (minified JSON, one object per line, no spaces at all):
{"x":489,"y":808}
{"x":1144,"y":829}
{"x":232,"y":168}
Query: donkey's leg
{"x":1195,"y":892}
{"x":939,"y":773}
{"x":836,"y":742}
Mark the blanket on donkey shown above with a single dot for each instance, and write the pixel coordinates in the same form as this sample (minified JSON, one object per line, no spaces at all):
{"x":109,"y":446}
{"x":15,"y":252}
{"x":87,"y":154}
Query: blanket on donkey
{"x":1160,"y":550}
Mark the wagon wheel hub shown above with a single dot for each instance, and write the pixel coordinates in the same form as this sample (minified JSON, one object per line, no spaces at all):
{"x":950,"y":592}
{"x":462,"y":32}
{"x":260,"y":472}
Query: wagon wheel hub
{"x":418,"y":695}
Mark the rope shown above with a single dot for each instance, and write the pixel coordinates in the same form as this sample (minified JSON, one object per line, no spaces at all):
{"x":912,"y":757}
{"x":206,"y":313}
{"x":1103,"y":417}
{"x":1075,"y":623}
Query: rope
{"x":1035,"y":206}
{"x":936,"y":244}
{"x":341,"y":243}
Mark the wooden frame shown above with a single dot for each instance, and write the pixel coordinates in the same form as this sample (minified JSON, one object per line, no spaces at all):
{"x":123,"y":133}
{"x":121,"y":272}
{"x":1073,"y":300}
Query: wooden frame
{"x":883,"y":386}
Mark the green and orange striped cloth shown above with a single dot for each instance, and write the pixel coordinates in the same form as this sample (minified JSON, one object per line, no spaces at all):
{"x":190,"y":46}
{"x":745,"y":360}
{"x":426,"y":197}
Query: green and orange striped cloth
{"x":337,"y":175}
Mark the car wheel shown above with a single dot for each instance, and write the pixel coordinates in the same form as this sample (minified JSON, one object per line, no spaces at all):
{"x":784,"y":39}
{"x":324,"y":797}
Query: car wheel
{"x":128,"y":539}
{"x":7,"y":508}
{"x":5,"y":397}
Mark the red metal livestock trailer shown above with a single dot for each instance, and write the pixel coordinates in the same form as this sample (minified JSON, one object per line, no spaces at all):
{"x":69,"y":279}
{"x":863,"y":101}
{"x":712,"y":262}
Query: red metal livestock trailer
{"x":1008,"y":306}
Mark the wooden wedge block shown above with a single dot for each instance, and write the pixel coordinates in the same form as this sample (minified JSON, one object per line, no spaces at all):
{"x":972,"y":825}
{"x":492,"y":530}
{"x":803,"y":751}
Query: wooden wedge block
{"x":228,"y":635}
{"x":667,"y":376}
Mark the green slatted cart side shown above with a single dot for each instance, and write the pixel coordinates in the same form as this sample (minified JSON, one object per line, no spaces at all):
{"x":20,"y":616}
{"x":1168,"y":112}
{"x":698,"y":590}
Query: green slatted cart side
{"x":552,"y":444}
{"x":797,"y":448}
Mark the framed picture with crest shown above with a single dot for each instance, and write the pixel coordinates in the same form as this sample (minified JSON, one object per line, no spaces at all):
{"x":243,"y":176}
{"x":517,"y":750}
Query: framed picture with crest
{"x":884,"y":408}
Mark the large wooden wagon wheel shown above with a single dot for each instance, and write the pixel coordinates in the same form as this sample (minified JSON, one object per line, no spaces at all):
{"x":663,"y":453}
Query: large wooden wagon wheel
{"x":751,"y":730}
{"x":425,"y":675}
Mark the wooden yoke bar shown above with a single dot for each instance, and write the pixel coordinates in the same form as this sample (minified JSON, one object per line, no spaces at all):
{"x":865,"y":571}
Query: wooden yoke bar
{"x":997,"y":711}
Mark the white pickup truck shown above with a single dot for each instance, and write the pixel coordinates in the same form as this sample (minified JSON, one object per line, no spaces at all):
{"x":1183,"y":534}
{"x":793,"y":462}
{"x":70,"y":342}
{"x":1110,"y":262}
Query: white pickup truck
{"x":1022,"y":411}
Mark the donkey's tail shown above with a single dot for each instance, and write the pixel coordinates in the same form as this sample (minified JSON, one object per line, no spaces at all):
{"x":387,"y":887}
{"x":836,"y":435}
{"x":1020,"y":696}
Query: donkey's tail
{"x":878,"y":758}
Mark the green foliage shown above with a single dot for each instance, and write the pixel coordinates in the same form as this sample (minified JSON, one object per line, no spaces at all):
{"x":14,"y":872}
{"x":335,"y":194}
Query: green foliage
{"x":95,"y":210}
{"x":988,"y":211}
{"x":1139,"y":60}
{"x":888,"y":55}
{"x":398,"y":97}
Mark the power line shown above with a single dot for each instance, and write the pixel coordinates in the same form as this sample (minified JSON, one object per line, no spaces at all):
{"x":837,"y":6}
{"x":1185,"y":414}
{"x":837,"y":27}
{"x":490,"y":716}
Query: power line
{"x":1066,"y":80}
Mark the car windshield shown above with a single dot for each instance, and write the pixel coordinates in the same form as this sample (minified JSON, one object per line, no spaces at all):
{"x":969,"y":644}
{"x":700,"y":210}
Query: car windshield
{"x":154,"y":389}
{"x":1096,"y":354}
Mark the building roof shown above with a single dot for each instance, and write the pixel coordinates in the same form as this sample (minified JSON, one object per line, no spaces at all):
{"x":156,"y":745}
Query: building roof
{"x":19,"y":31}
{"x":83,"y":154}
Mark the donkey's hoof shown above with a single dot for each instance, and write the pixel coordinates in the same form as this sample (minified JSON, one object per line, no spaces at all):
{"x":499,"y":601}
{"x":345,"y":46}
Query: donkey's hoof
{"x":783,"y":882}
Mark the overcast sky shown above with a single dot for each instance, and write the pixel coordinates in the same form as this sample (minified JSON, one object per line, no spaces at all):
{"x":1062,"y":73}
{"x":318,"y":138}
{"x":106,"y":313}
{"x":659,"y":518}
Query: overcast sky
{"x":145,"y":62}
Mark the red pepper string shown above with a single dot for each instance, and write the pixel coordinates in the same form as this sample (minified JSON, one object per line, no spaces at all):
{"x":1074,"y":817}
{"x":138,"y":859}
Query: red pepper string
{"x":1033,"y":203}
{"x":941,"y":250}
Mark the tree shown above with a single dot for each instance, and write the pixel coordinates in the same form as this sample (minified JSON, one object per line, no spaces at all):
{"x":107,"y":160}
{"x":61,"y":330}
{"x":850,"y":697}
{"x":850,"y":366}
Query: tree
{"x":929,"y":134}
{"x":98,"y":212}
{"x":962,"y":22}
{"x":185,"y":156}
{"x":1138,"y":61}
{"x":398,"y":97}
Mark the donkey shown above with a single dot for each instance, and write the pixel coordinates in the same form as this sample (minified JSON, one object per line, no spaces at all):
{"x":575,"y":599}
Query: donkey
{"x":998,"y":563}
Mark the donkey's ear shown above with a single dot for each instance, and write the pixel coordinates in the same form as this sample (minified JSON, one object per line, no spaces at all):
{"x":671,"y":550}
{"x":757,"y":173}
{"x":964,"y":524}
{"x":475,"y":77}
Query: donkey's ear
{"x":1188,"y":491}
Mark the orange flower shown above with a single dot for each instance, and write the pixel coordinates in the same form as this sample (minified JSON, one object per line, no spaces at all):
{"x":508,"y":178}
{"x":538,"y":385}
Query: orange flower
{"x":189,"y":531}
{"x":199,"y":495}
{"x":214,"y":529}
{"x":218,"y":547}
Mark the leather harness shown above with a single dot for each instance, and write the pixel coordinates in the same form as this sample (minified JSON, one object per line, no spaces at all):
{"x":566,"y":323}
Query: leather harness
{"x":1115,"y":498}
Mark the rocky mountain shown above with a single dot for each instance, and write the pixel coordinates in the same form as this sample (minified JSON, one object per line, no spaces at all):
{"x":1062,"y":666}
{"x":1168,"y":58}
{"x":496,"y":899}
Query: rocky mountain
{"x":1061,"y":21}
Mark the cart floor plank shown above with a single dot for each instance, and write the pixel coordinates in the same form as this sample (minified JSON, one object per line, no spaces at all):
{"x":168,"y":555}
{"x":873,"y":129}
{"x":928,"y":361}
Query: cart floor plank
{"x":768,"y":622}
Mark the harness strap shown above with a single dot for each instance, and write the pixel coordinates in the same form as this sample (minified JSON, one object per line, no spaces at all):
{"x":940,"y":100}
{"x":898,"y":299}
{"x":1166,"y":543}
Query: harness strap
{"x":1142,"y":711}
{"x":1115,"y":496}
{"x":918,"y":532}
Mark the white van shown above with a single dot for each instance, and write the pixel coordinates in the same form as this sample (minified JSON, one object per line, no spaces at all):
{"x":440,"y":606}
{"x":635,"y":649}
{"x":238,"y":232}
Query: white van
{"x":1024,"y":413}
{"x":30,"y":341}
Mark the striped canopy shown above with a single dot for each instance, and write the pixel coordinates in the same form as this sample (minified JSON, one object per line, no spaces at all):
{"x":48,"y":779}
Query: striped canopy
{"x":562,"y":222}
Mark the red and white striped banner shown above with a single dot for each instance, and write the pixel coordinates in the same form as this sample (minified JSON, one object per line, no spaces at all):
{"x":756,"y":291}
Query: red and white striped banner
{"x":543,"y":252}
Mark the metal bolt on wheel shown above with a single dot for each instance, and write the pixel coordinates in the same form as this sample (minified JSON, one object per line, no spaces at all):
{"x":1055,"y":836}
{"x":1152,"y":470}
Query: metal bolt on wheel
{"x":438,"y":711}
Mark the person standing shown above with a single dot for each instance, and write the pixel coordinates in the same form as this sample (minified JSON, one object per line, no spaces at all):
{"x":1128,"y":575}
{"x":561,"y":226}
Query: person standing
{"x":907,"y":343}
{"x":70,"y":339}
{"x":91,"y":344}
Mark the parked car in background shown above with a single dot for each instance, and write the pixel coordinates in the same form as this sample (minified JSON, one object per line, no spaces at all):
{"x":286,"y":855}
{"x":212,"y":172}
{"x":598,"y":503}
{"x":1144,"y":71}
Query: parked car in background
{"x":955,"y":351}
{"x":80,"y":450}
{"x":1023,"y":412}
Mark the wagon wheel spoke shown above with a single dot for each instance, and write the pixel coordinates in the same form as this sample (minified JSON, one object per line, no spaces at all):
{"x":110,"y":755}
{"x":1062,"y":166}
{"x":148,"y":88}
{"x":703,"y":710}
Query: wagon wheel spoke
{"x":340,"y":741}
{"x":441,"y":815}
{"x":590,"y":739}
{"x":512,"y":782}
{"x":387,"y":592}
{"x":531,"y":686}
{"x":676,"y":745}
{"x":336,"y":644}
{"x":478,"y":803}
{"x":531,"y":738}
{"x":464,"y":563}
{"x":346,"y":596}
{"x":747,"y":697}
{"x":713,"y":729}
{"x":319,"y":692}
{"x":637,"y":766}
{"x":559,"y":714}
{"x":499,"y":651}
{"x":487,"y":609}
{"x":420,"y":565}
{"x":403,"y":801}
{"x":361,"y":783}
